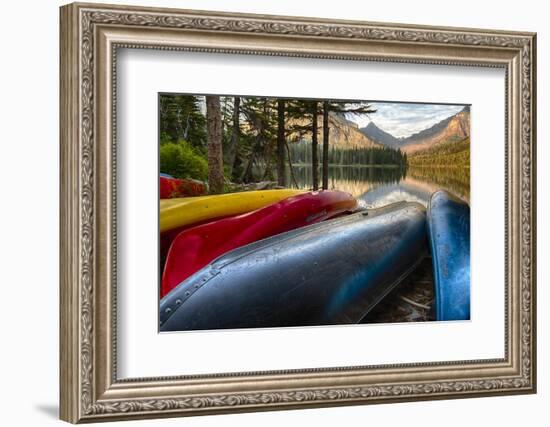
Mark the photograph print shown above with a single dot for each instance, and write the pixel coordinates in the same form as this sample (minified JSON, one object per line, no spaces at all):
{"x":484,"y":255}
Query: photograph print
{"x":288,"y":212}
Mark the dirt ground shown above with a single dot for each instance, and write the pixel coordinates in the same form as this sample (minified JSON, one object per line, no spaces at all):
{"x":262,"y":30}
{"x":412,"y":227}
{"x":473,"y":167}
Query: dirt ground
{"x":411,"y":301}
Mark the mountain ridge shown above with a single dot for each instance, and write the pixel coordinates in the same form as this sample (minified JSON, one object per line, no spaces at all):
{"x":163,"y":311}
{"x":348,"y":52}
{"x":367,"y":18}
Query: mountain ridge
{"x":382,"y":137}
{"x":451,"y":129}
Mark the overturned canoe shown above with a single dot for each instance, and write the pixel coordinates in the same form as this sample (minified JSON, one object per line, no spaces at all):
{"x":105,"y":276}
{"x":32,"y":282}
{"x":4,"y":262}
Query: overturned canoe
{"x":449,"y":237}
{"x":172,"y":187}
{"x":179,"y":212}
{"x":195,"y":247}
{"x":332,"y":272}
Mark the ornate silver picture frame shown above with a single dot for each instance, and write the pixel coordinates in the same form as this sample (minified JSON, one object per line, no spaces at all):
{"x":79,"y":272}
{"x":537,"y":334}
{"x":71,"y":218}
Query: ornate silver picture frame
{"x":90,"y":36}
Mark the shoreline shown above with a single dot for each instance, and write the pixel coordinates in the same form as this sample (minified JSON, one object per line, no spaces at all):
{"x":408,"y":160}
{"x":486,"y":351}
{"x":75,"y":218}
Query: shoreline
{"x":385,"y":166}
{"x":348,"y":166}
{"x":439,"y":166}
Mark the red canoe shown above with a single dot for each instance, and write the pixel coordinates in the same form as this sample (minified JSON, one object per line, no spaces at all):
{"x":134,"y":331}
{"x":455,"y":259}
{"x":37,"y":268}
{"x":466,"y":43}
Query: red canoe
{"x":173,"y":187}
{"x":196,"y":247}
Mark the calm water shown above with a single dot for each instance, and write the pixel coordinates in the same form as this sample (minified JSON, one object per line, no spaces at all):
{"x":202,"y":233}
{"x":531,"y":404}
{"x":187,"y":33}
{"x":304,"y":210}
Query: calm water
{"x":378,"y":186}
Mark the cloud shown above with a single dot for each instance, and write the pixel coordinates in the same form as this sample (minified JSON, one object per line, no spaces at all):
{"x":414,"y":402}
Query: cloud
{"x":404,"y":119}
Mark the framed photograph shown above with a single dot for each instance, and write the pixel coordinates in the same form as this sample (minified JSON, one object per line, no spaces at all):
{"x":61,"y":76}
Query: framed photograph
{"x":267,"y":212}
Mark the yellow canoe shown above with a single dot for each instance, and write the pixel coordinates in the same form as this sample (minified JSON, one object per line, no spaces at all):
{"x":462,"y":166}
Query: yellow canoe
{"x":190,"y":210}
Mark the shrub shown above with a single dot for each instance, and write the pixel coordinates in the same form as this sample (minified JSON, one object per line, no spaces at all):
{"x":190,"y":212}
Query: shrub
{"x":181,"y":160}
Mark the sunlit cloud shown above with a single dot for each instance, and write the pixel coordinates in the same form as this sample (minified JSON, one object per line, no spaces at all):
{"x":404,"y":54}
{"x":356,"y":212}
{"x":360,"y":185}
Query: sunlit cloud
{"x":403,"y":119}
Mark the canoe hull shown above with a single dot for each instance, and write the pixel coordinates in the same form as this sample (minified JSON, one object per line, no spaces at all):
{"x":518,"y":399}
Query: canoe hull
{"x":179,"y":212}
{"x":449,"y":237}
{"x":333,"y":272}
{"x":194,"y":248}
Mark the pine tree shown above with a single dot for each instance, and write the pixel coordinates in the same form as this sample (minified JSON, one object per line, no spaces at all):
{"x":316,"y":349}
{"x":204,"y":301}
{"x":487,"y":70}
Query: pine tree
{"x":181,"y":118}
{"x":215,"y":153}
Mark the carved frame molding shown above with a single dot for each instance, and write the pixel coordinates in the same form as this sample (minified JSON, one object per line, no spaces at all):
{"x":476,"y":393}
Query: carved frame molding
{"x":90,"y":37}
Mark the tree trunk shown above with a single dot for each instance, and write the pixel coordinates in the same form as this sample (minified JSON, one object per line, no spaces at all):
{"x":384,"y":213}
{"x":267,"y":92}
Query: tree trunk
{"x":247,"y":176}
{"x":326,"y":130}
{"x":314,"y":146}
{"x":215,"y":153}
{"x":281,"y":170}
{"x":232,"y":152}
{"x":187,"y":123}
{"x":290,"y":165}
{"x":268,"y":157}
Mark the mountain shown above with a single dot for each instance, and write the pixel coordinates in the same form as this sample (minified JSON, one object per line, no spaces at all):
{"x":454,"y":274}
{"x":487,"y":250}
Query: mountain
{"x":346,"y":134}
{"x":343,"y":133}
{"x":378,"y":135}
{"x":452,"y":129}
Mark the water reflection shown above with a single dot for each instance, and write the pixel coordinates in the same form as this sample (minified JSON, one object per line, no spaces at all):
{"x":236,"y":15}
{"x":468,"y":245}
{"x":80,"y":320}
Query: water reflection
{"x":378,"y":186}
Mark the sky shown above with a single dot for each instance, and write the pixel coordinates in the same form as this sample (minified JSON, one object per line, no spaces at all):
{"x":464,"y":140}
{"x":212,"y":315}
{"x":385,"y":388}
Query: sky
{"x":403,"y":119}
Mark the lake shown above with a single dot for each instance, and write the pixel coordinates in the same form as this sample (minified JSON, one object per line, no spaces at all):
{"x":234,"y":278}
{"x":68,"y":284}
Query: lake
{"x":377,"y":186}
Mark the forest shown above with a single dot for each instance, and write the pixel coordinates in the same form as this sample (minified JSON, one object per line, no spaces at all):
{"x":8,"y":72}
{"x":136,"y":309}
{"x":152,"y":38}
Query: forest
{"x":232,"y":140}
{"x":301,"y":153}
{"x":452,"y":153}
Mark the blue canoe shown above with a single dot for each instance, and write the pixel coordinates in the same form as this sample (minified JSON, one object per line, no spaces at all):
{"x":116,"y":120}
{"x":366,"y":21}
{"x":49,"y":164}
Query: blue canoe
{"x":333,"y":272}
{"x":449,"y":236}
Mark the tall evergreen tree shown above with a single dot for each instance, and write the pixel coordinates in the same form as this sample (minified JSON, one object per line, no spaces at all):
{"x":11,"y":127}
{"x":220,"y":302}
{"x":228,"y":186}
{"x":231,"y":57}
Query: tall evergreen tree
{"x":326,"y":134}
{"x":261,"y":124}
{"x":235,"y":134}
{"x":281,"y":142}
{"x":215,"y":153}
{"x":181,"y":118}
{"x":314,"y":145}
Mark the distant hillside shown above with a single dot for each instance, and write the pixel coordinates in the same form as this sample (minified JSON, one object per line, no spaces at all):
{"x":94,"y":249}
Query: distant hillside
{"x":446,"y":154}
{"x":452,"y":129}
{"x":343,"y":134}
